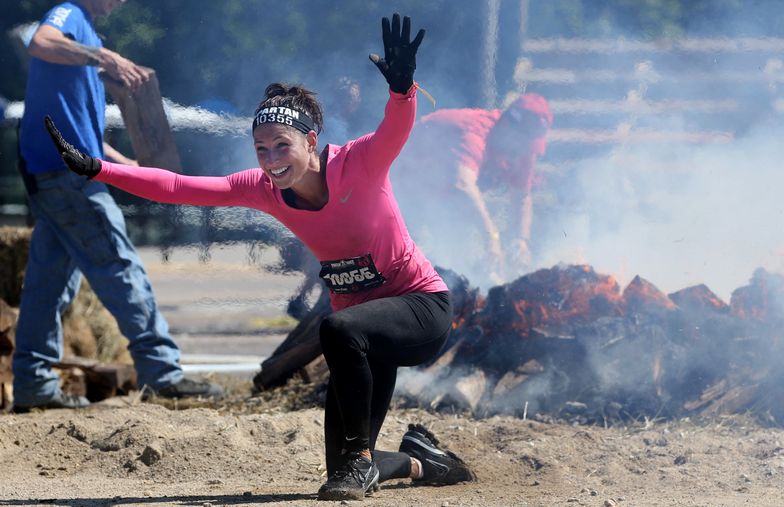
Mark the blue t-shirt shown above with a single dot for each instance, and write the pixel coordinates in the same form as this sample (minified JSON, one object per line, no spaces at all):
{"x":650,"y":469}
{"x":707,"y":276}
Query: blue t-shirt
{"x":73,"y":95}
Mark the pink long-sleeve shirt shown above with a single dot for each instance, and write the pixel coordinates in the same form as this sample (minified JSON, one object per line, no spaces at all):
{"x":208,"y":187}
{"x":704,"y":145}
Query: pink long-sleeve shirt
{"x":361,"y":216}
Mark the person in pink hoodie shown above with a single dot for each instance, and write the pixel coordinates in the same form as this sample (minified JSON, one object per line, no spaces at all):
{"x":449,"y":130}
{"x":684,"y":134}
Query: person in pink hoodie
{"x":391,"y":308}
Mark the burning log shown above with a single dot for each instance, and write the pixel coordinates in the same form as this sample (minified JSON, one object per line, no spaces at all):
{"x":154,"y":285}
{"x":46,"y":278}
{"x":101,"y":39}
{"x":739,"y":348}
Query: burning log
{"x":725,"y":396}
{"x":638,"y":351}
{"x":699,"y":299}
{"x":540,"y":311}
{"x":422,"y":385}
{"x":512,"y":392}
{"x":642,"y":296}
{"x":465,"y":298}
{"x":466,"y":393}
{"x":568,"y":342}
{"x":762,"y":299}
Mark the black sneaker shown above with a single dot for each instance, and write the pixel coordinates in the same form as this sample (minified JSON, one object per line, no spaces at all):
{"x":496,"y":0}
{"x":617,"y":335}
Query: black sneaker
{"x":60,"y":400}
{"x":439,"y":467}
{"x":352,"y":480}
{"x":186,"y":388}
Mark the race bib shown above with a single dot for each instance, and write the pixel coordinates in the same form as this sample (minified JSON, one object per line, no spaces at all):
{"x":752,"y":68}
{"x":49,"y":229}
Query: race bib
{"x":351,"y":275}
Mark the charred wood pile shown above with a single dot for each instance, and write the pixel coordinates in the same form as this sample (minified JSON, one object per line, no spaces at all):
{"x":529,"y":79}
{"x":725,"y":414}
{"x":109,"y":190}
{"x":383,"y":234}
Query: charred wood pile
{"x":568,"y":342}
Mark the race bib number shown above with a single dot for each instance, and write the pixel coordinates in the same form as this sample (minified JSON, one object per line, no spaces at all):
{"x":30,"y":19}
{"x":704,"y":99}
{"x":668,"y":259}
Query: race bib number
{"x":351,"y":275}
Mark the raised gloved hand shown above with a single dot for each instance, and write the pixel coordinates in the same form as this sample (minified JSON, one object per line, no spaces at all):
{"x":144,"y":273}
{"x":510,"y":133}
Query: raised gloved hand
{"x":399,"y":60}
{"x":76,"y":161}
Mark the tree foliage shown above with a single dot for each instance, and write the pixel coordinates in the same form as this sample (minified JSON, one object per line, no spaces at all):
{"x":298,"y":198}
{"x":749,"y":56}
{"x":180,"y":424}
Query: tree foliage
{"x":202,"y":49}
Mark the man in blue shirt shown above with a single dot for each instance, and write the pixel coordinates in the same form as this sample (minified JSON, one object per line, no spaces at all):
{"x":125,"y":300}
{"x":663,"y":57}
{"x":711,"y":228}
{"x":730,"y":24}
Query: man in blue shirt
{"x":79,"y":229}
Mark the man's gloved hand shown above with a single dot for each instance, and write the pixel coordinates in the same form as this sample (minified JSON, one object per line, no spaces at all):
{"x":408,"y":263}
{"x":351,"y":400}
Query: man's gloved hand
{"x":399,"y":60}
{"x":76,"y":161}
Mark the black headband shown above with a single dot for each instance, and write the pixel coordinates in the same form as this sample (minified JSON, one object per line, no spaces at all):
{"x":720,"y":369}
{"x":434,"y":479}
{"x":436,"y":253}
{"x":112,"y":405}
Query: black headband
{"x":285,"y":116}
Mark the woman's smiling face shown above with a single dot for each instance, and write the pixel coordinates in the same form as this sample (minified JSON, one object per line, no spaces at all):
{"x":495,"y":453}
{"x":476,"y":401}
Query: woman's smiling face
{"x":283,"y":153}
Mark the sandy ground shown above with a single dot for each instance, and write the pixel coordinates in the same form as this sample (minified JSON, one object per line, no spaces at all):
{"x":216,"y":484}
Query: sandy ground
{"x":122,"y":453}
{"x":252,"y":452}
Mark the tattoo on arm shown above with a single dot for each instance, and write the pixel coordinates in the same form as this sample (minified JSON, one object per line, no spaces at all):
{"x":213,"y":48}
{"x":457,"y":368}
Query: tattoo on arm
{"x":90,"y":52}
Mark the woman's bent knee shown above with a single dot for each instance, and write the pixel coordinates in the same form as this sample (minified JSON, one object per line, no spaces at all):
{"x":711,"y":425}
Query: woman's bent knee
{"x":335,"y":333}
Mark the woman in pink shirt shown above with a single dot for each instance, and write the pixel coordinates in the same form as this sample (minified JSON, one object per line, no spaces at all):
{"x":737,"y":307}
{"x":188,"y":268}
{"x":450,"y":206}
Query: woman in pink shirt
{"x":390,"y":306}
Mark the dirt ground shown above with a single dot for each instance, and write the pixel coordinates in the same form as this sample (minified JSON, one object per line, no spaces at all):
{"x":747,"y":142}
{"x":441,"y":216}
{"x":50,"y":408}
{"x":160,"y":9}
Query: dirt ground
{"x":252,"y":452}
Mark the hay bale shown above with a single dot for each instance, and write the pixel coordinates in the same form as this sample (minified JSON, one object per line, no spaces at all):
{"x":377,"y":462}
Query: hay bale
{"x":8,"y":316}
{"x":14,"y":245}
{"x":7,"y":327}
{"x":89,"y":330}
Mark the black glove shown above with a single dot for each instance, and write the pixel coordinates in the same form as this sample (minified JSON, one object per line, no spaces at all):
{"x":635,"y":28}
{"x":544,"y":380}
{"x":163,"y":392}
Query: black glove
{"x":399,"y":60}
{"x":76,"y":161}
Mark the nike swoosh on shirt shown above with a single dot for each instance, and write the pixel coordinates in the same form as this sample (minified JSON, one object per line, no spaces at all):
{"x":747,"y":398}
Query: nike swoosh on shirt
{"x":344,"y":199}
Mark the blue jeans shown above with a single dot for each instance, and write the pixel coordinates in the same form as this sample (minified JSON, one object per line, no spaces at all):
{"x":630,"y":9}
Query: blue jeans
{"x":79,"y":229}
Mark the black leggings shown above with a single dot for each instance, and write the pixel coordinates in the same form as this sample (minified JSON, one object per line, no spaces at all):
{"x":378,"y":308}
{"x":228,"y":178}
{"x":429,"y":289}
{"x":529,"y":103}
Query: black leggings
{"x":363,"y":346}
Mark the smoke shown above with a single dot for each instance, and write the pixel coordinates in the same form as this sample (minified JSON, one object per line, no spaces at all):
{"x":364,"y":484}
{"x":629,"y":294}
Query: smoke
{"x":677,"y":215}
{"x":660,"y":163}
{"x":694,"y":206}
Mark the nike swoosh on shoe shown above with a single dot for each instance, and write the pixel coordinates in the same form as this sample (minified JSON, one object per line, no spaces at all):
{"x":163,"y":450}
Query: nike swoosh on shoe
{"x":443,"y":469}
{"x":424,"y":445}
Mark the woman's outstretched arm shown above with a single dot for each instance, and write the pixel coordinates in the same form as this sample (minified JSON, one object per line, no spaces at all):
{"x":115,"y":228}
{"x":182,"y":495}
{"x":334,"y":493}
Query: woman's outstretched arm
{"x":165,"y":186}
{"x":158,"y":184}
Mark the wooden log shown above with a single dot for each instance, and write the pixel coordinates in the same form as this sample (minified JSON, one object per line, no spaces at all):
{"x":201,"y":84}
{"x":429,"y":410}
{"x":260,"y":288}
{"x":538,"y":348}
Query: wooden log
{"x":99,"y":380}
{"x":444,"y":360}
{"x":299,"y":348}
{"x":73,"y":381}
{"x":708,"y":396}
{"x":146,"y":122}
{"x":419,"y":383}
{"x":109,"y":380}
{"x":735,"y":400}
{"x":512,"y":392}
{"x":467,"y":392}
